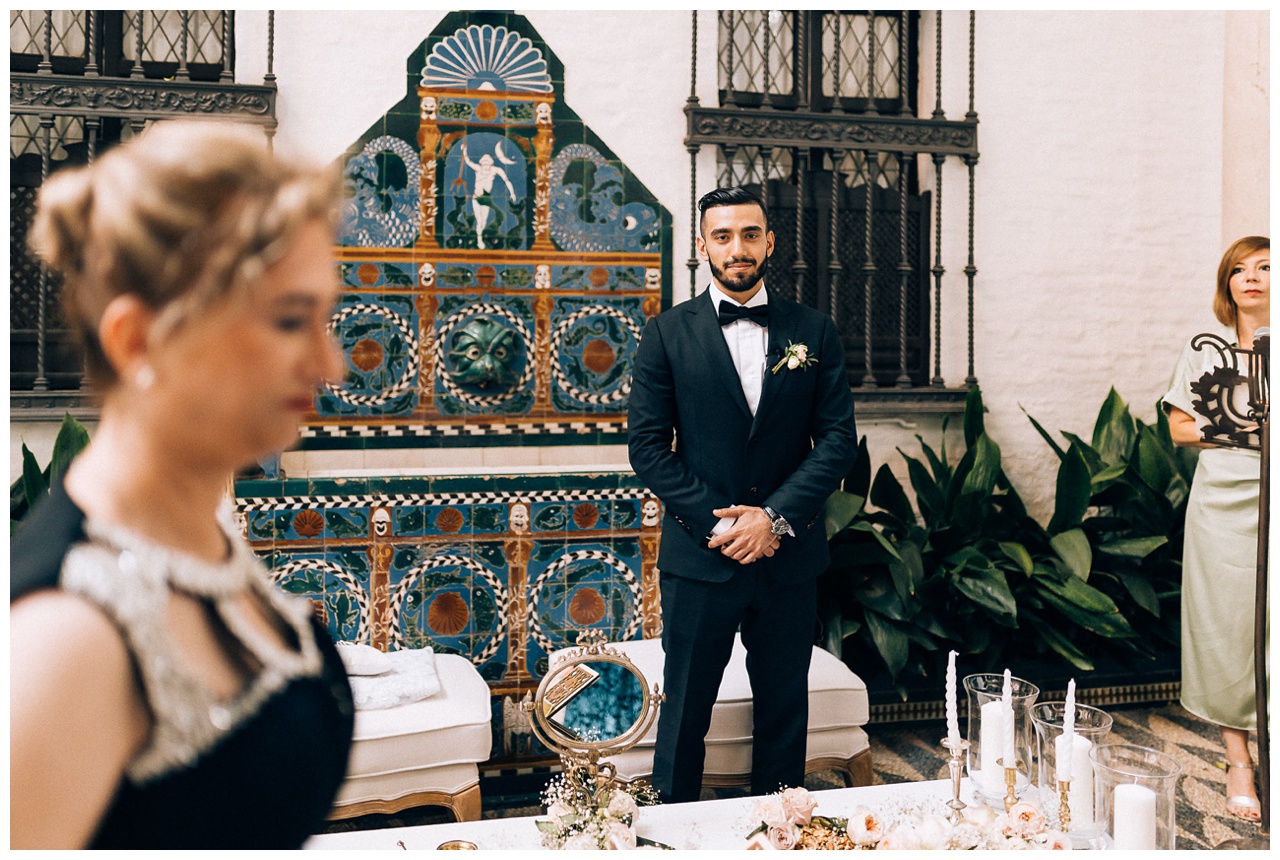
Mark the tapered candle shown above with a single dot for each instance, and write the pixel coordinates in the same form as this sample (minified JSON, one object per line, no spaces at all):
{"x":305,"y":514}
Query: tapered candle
{"x":953,"y":716}
{"x":1065,"y":750}
{"x":1010,"y":754}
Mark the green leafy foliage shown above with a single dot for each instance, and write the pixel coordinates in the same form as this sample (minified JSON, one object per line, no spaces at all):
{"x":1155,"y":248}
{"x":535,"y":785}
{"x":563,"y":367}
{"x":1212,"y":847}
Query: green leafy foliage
{"x":35,"y":482}
{"x":972,"y":571}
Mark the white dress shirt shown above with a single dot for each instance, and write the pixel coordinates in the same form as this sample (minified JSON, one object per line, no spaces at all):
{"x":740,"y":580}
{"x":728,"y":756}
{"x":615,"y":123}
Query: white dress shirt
{"x":748,"y":344}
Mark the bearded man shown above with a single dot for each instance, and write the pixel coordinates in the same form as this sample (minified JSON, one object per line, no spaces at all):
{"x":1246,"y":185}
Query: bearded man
{"x":741,"y":422}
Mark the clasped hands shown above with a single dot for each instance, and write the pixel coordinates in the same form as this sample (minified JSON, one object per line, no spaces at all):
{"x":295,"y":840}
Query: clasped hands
{"x":750,"y":538}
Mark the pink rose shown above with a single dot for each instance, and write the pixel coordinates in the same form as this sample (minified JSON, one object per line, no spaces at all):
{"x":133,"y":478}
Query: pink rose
{"x":798,"y":806}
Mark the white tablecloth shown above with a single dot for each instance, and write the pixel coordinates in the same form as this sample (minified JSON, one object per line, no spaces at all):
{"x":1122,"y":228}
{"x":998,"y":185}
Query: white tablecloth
{"x":714,"y":824}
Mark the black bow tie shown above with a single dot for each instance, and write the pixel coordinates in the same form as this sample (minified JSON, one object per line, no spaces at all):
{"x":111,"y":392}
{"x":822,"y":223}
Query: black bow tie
{"x":731,"y":313}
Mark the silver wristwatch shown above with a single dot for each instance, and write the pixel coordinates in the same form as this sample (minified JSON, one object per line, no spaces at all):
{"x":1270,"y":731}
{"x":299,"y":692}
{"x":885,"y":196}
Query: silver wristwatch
{"x":780,"y":525}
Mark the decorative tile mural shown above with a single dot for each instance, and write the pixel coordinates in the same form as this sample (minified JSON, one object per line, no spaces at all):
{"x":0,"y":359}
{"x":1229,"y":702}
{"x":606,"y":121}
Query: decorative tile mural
{"x":499,"y":261}
{"x":503,"y":570}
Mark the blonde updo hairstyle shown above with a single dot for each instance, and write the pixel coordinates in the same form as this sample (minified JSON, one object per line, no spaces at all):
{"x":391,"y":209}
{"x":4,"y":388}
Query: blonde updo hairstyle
{"x":182,"y":216}
{"x":1224,"y":306}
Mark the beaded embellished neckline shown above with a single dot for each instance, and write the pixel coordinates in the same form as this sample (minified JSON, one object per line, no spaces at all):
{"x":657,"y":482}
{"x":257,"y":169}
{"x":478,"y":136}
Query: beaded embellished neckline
{"x":184,"y":571}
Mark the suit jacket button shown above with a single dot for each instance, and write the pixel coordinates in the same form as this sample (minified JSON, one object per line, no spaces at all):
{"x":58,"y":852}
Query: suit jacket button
{"x":755,"y":490}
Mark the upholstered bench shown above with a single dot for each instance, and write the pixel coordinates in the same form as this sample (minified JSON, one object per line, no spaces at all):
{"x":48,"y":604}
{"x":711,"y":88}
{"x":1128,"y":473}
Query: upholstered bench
{"x":838,"y":709}
{"x":423,"y":753}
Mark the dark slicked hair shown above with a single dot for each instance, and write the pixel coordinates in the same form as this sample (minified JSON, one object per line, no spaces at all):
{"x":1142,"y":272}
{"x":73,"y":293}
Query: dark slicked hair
{"x":737,"y":196}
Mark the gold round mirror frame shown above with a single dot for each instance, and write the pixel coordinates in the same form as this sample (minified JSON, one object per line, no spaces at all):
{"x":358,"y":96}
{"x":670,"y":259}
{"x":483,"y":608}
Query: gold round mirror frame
{"x":564,"y":680}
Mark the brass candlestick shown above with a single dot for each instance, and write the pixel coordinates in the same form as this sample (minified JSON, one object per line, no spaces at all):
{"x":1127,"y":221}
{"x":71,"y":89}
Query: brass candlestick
{"x":1010,"y":784}
{"x":955,"y":804}
{"x":1064,"y":808}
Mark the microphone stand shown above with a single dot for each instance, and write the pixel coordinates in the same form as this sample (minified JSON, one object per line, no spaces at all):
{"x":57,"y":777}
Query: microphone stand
{"x":1252,"y":431}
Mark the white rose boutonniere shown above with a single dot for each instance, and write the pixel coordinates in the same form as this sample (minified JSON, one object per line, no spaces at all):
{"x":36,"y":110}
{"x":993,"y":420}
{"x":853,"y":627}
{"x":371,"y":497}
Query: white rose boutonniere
{"x":796,"y":357}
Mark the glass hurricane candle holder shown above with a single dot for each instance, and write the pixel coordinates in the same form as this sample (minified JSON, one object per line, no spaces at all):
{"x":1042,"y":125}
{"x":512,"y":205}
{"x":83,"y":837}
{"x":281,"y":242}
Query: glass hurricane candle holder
{"x":1092,"y":728}
{"x":1134,"y":791}
{"x":986,"y":731}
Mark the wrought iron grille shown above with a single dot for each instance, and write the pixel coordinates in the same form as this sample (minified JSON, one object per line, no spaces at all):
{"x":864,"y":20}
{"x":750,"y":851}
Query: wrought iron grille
{"x":183,"y":45}
{"x":817,"y":114}
{"x":82,"y":81}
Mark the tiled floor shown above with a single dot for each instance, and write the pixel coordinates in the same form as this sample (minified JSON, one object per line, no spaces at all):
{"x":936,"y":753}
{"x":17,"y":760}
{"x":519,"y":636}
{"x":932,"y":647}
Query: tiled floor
{"x":909,"y":751}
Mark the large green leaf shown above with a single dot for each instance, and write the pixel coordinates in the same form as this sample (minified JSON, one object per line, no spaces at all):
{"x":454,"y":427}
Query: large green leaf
{"x":1017,"y":553}
{"x":879,"y":593}
{"x":34,"y":485}
{"x":1155,"y":465}
{"x":1060,"y":644}
{"x":981,"y":479}
{"x":1133,"y":547}
{"x":864,"y":526}
{"x":1141,"y":590}
{"x":891,"y":642}
{"x":839,"y":510}
{"x":1092,"y":457}
{"x":990,"y":590}
{"x":858,"y":481}
{"x":938,"y":465}
{"x":1073,"y":492}
{"x":887,"y":494}
{"x":1111,"y":625}
{"x":930,"y":498}
{"x":1044,"y":434}
{"x":71,"y":440}
{"x":973,"y":418}
{"x":1113,"y":433}
{"x":1073,"y":548}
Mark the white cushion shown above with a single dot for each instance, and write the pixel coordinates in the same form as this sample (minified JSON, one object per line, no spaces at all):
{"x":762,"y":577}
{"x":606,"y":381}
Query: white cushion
{"x":361,"y":659}
{"x":412,"y":676}
{"x":451,"y":727}
{"x":734,"y":758}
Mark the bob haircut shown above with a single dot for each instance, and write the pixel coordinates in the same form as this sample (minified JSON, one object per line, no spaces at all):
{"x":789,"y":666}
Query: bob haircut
{"x":1224,"y":307}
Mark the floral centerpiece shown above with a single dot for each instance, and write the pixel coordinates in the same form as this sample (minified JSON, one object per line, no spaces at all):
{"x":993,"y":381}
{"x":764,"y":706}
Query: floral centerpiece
{"x":594,"y":817}
{"x":788,"y":822}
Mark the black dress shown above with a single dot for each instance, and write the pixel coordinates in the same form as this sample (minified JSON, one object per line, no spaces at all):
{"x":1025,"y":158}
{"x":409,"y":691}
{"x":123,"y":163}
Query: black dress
{"x":258,"y":771}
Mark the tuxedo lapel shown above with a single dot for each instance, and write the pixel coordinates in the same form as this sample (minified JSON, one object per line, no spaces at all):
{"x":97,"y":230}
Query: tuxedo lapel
{"x":706,"y":331}
{"x":781,"y":333}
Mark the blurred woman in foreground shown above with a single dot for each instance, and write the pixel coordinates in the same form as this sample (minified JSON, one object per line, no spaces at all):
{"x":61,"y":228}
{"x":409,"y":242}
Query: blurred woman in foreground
{"x":163,"y":693}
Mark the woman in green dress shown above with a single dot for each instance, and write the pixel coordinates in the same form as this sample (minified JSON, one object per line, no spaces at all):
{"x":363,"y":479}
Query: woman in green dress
{"x":1219,"y":566}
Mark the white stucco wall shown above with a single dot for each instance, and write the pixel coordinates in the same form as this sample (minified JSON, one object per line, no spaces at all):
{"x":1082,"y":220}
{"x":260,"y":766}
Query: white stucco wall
{"x":1103,"y":199}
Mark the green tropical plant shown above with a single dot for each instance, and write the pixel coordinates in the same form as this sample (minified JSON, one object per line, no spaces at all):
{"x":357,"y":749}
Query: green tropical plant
{"x":34,"y":484}
{"x":972,"y":571}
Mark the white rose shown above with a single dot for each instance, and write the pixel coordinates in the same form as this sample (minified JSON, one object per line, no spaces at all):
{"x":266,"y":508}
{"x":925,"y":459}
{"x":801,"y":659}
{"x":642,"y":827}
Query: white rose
{"x":784,"y":837}
{"x":770,"y":813}
{"x":933,"y":833}
{"x":802,"y":352}
{"x":558,"y":809}
{"x":793,"y":363}
{"x":621,"y":837}
{"x":865,"y":827}
{"x":623,"y":805}
{"x":902,"y":837}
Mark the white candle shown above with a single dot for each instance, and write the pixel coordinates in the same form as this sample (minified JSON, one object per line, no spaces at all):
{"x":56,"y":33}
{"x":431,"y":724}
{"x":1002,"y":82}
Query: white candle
{"x":1081,"y":795}
{"x":1066,"y":741}
{"x":991,"y":733}
{"x":1135,"y":818}
{"x":1063,"y":754}
{"x":1010,"y":754}
{"x":953,"y":717}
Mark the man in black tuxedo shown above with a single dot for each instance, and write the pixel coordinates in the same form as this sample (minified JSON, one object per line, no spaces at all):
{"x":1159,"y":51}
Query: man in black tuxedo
{"x":751,"y":388}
